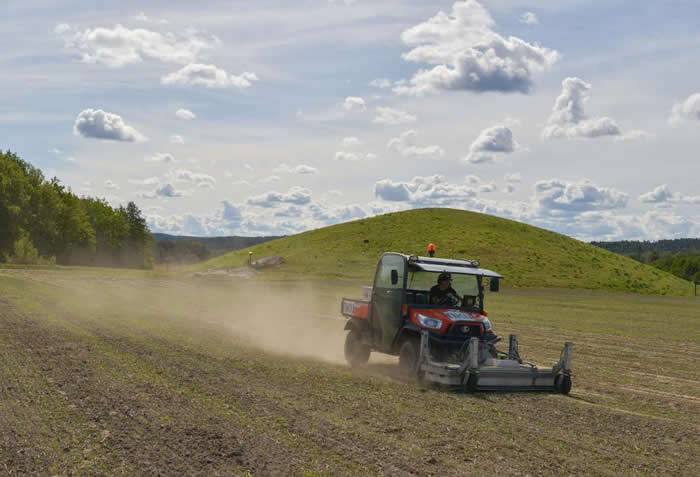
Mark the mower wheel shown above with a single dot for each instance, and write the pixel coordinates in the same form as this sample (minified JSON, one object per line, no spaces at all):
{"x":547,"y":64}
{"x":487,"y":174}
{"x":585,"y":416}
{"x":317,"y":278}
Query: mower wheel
{"x":563,"y":383}
{"x":356,"y":352}
{"x":471,"y":384}
{"x":408,"y":356}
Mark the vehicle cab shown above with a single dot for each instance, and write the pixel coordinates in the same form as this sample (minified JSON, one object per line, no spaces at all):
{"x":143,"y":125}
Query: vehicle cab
{"x":398,"y":307}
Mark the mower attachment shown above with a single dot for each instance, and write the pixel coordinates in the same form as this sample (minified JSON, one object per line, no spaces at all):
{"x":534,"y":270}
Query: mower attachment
{"x":480,"y":371}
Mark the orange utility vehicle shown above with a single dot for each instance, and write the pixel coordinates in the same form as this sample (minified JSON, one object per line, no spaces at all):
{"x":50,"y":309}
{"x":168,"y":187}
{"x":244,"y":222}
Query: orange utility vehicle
{"x":449,"y":343}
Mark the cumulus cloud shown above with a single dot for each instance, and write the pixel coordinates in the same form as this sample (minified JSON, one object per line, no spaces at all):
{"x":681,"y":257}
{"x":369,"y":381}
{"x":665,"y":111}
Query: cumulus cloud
{"x":62,"y":28}
{"x":464,"y":53}
{"x":111,"y":185}
{"x":381,"y":83}
{"x":161,"y":157}
{"x":209,"y":76}
{"x":405,"y":145}
{"x":232,"y":213}
{"x":185,"y":114}
{"x":99,"y":124}
{"x":557,"y":197}
{"x":146,"y":181}
{"x":486,"y":188}
{"x":350,"y":142}
{"x":142,"y":17}
{"x":120,"y":46}
{"x":687,"y":110}
{"x":662,"y":194}
{"x":351,"y":156}
{"x":492,"y":140}
{"x":177,"y":139}
{"x":429,"y":190}
{"x":511,"y":178}
{"x":302,"y":169}
{"x":200,"y":179}
{"x":295,"y":195}
{"x":472,"y":179}
{"x":167,"y":191}
{"x":354,"y":103}
{"x":529,"y":18}
{"x":568,"y":118}
{"x":393,"y":117}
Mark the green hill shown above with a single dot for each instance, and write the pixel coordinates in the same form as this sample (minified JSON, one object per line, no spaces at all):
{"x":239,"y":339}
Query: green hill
{"x":528,"y":256}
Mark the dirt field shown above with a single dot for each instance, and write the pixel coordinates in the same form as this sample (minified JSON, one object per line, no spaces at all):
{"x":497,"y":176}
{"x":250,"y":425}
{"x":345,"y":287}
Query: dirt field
{"x":121,"y":374}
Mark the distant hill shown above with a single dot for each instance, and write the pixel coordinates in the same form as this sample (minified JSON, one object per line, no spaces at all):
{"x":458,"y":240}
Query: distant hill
{"x":187,"y":249}
{"x":528,"y":256}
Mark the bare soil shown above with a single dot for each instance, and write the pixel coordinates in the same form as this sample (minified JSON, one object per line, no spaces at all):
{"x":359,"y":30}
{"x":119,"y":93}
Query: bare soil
{"x":121,"y":375}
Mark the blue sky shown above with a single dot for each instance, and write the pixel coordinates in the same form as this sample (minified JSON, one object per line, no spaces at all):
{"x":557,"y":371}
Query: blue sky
{"x":578,"y":116}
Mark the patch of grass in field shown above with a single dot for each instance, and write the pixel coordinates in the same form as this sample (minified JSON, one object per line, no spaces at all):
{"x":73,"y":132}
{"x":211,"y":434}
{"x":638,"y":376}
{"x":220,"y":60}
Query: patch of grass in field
{"x":528,"y":256}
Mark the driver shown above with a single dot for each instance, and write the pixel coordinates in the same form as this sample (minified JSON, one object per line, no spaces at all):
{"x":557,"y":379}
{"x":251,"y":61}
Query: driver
{"x":443,"y":293}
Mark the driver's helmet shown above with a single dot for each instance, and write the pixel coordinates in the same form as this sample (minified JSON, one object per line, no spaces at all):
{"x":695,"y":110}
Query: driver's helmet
{"x":444,"y":276}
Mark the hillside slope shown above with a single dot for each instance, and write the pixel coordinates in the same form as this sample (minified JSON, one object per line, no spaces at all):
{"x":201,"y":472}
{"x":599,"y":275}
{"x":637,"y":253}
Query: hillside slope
{"x":527,"y":256}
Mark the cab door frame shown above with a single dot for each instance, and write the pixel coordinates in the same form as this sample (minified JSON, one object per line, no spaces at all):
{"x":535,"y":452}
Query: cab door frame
{"x":386,"y":317}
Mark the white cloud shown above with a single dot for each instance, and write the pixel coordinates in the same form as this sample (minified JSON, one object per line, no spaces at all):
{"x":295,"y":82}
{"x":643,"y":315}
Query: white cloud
{"x":354,"y":103}
{"x":232,"y":213}
{"x":209,"y":76}
{"x":405,"y":145}
{"x":202,"y":180}
{"x":557,"y":197}
{"x":511,"y":178}
{"x":662,"y":194}
{"x":185,"y":114}
{"x":687,"y":110}
{"x":166,"y":190}
{"x":466,"y":54}
{"x":111,"y":185}
{"x":61,"y":28}
{"x":350,"y":142}
{"x":302,"y":169}
{"x":381,"y":83}
{"x":486,"y":188}
{"x":509,"y":188}
{"x":146,"y":181}
{"x":120,"y":46}
{"x":142,"y":17}
{"x":529,"y":18}
{"x":393,"y":117}
{"x":472,"y":179}
{"x":568,"y":118}
{"x":351,"y":156}
{"x":295,"y":195}
{"x":269,"y":179}
{"x":492,"y":140}
{"x":177,"y":139}
{"x":429,"y":190}
{"x":161,"y":157}
{"x":98,"y":124}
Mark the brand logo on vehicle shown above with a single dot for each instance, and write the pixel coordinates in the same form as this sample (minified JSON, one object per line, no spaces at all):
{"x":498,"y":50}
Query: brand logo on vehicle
{"x":456,"y":315}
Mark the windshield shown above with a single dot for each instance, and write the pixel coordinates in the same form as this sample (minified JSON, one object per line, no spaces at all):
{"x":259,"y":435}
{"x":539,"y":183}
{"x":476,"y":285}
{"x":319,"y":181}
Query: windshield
{"x":462,"y":284}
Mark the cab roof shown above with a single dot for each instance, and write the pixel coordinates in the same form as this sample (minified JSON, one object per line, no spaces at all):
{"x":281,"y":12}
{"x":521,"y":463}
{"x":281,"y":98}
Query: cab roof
{"x":450,"y":265}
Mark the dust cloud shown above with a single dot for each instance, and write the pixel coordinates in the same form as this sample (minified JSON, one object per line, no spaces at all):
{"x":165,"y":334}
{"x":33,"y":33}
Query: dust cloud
{"x":300,"y":319}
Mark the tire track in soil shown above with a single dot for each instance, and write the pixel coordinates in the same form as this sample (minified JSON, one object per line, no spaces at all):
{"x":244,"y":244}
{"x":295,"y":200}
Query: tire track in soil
{"x":127,"y":418}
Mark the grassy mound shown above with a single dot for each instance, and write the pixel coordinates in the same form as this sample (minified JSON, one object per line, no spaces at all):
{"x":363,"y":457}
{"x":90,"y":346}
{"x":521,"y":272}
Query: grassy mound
{"x":527,"y":256}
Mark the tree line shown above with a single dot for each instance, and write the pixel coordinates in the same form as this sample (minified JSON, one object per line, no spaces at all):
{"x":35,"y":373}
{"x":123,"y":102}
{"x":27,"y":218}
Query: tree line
{"x":680,"y":257}
{"x":42,"y":221}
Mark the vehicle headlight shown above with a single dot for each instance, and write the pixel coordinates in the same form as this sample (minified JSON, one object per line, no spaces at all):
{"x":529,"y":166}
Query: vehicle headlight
{"x":487,"y":324}
{"x":429,"y":322}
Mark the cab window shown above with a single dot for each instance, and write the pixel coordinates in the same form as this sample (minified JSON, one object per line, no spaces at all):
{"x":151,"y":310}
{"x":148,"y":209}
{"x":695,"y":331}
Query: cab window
{"x":389,"y":263}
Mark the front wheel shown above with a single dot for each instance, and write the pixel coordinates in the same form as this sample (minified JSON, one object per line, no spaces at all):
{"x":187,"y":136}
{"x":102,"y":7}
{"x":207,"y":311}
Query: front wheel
{"x":408,"y":356}
{"x":562,"y":383}
{"x":356,"y":352}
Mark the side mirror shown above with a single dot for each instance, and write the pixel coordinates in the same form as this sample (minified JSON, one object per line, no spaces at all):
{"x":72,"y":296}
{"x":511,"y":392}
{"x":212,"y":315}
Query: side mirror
{"x":394,"y":277}
{"x":494,"y":284}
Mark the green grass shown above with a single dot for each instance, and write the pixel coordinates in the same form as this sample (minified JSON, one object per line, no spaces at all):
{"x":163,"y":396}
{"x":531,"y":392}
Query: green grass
{"x":528,"y":256}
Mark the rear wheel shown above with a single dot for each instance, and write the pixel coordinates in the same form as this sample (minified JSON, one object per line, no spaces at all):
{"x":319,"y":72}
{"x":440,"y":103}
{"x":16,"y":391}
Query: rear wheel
{"x":563,"y":383}
{"x":408,"y":356}
{"x":356,"y":352}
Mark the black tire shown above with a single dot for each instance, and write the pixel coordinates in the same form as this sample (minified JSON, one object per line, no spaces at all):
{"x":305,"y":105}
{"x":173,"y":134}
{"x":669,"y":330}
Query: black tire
{"x":408,"y":356}
{"x":356,"y":352}
{"x":563,"y":383}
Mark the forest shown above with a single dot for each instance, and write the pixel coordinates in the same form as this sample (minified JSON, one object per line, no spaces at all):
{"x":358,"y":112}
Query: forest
{"x":44,"y":222}
{"x":680,"y":257}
